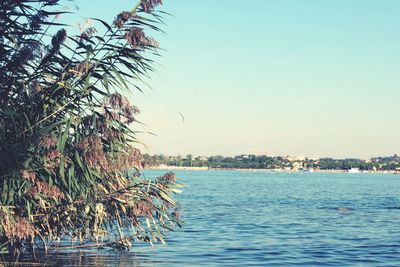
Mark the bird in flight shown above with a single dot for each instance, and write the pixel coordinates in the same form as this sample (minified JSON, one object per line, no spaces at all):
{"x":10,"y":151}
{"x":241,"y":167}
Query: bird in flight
{"x":183,"y":117}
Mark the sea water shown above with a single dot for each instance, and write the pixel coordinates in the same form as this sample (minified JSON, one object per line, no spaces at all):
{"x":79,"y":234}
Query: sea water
{"x":244,"y":218}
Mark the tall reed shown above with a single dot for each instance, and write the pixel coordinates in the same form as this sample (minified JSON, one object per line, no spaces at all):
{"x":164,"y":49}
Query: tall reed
{"x":69,"y":157}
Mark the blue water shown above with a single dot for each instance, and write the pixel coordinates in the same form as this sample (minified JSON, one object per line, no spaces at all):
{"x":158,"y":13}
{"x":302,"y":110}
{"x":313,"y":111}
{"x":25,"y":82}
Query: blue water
{"x":236,"y":218}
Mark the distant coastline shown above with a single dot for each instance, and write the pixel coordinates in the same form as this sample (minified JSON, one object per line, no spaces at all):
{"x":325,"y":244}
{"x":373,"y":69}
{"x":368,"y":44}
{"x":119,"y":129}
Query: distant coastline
{"x":388,"y":164}
{"x":188,"y":168}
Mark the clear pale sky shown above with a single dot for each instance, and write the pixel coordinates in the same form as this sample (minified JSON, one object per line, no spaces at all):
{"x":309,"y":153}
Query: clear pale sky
{"x":310,"y":77}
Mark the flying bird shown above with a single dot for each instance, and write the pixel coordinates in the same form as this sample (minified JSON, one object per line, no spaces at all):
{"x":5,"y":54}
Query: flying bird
{"x":183,"y":117}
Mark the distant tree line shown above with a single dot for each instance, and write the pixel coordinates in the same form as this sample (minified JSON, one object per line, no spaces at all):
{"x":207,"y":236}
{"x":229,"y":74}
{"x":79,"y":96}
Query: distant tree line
{"x":267,"y":162}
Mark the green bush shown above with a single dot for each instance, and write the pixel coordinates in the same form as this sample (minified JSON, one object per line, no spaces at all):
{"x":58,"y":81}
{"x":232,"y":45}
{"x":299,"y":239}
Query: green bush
{"x":69,"y":158}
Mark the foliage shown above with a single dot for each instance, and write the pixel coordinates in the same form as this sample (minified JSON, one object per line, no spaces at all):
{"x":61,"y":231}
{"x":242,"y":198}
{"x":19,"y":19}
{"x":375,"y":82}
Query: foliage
{"x":68,"y":151}
{"x":267,"y":162}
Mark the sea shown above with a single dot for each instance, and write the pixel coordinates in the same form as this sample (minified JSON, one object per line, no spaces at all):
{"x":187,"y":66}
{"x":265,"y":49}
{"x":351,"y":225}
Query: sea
{"x":261,"y":218}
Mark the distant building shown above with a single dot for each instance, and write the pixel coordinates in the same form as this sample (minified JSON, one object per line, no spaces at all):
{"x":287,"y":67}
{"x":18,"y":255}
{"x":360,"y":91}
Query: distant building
{"x":203,"y":158}
{"x":297,"y":166}
{"x":296,"y":158}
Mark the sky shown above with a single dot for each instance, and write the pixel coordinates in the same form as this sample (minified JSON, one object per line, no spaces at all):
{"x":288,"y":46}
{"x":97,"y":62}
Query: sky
{"x":315,"y":78}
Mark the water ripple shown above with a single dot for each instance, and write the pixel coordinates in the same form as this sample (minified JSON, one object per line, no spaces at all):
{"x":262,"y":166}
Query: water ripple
{"x":272,"y":219}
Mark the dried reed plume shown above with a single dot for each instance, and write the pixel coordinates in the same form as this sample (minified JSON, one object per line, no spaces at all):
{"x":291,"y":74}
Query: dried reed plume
{"x":149,"y":5}
{"x":123,"y":17}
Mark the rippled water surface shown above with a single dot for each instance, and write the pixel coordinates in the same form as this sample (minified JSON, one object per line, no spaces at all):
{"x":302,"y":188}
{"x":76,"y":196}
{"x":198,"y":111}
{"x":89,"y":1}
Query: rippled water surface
{"x":238,"y":218}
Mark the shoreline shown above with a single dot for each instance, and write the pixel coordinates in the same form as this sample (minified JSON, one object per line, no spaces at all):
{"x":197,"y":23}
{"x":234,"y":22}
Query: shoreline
{"x":177,"y":168}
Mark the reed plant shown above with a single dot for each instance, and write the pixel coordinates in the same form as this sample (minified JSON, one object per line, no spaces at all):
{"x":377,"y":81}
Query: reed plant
{"x":69,"y":157}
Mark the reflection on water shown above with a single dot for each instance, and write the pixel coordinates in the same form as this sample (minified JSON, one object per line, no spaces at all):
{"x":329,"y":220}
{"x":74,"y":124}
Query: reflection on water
{"x":244,"y":218}
{"x":90,"y":258}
